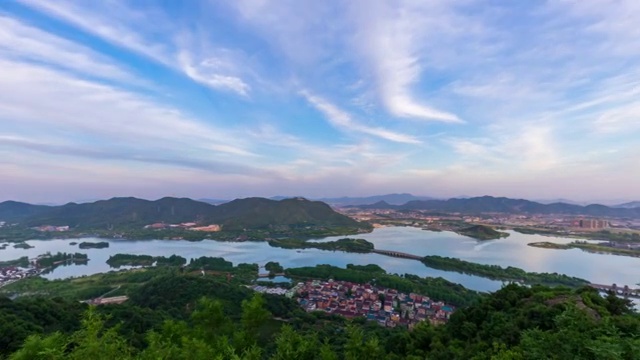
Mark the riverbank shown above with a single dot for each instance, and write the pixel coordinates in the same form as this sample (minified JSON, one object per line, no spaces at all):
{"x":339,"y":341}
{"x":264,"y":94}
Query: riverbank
{"x":19,"y":235}
{"x":593,"y":248}
{"x":607,"y":235}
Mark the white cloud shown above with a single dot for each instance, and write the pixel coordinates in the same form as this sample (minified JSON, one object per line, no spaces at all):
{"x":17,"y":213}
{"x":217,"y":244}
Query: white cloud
{"x":207,"y":72}
{"x":343,"y":121}
{"x":391,"y":37}
{"x":23,"y":42}
{"x":40,"y":100}
{"x":138,"y":31}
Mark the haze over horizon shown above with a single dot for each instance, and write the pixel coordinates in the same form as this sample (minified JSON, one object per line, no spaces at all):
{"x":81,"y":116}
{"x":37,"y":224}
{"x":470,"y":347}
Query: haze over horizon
{"x":205,"y":99}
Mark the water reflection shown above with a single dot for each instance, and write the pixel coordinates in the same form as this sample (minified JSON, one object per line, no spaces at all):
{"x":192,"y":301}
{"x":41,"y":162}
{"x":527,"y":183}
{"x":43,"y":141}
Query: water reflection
{"x":512,"y":251}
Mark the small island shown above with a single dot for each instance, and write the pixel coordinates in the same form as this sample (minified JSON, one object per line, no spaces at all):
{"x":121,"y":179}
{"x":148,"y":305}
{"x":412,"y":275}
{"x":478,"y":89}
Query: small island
{"x":549,"y":245}
{"x":73,"y":243}
{"x":482,"y":232}
{"x":49,"y":260}
{"x":93,"y":245}
{"x":118,"y":260}
{"x":22,"y":245}
{"x":496,"y":272}
{"x":346,"y":244}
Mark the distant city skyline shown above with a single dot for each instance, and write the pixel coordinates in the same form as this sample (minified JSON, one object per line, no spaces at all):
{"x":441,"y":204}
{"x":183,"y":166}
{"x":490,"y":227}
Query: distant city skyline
{"x":206,"y":99}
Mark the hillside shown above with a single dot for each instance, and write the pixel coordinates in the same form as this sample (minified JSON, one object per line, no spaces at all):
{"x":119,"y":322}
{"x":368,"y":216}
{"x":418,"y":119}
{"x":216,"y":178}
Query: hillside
{"x":132,"y":212}
{"x":629,"y":205}
{"x":394,"y":199}
{"x":13,"y":210}
{"x":261,"y":212}
{"x":490,"y":204}
{"x":170,"y":315}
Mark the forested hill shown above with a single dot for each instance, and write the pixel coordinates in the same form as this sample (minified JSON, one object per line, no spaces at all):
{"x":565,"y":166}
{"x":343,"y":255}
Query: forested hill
{"x":14,"y":210}
{"x":490,"y":204}
{"x":193,"y":317}
{"x":120,"y":212}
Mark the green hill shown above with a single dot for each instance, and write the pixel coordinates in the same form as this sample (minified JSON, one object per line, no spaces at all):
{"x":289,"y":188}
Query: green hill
{"x":261,"y":213}
{"x":250,"y":213}
{"x":13,"y":210}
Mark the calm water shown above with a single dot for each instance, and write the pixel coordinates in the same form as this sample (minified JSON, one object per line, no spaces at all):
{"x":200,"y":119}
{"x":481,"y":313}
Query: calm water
{"x":513,"y":251}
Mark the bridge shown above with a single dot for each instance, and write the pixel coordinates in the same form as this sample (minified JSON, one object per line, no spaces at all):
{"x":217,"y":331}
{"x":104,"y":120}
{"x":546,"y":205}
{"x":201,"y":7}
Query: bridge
{"x":397,"y":254}
{"x":625,"y":290}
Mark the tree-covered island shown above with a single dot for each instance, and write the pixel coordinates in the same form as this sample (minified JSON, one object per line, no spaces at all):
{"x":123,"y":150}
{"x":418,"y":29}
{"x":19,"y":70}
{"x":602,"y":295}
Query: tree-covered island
{"x":495,"y":272}
{"x":93,"y":245}
{"x":346,"y":244}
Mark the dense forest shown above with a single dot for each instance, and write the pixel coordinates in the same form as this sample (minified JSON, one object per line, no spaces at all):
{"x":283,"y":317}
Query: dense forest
{"x":178,"y":316}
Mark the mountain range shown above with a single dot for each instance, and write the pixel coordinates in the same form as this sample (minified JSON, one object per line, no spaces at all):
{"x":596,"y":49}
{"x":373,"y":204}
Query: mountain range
{"x":629,"y":205}
{"x":490,"y":204}
{"x":394,"y":199}
{"x":122,"y":212}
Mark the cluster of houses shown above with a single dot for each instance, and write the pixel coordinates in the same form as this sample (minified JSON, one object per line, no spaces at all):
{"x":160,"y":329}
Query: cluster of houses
{"x":188,"y":225}
{"x":388,"y":307}
{"x":52,"y":228}
{"x":9,"y":274}
{"x":273,"y":290}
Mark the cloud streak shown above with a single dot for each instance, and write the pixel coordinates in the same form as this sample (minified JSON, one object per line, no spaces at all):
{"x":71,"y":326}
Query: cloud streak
{"x":344,"y":122}
{"x":114,"y":22}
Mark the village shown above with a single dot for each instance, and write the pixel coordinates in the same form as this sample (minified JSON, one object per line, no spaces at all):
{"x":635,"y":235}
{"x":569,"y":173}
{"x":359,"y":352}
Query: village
{"x":10,"y":274}
{"x":387,"y":307}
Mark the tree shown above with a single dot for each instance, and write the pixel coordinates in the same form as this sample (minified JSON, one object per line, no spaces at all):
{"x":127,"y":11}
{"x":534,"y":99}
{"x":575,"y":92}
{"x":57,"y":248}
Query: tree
{"x":254,"y":315}
{"x":209,"y":320}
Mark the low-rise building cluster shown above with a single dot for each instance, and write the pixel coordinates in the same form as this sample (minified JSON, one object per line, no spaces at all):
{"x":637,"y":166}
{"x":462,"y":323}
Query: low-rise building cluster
{"x":9,"y":274}
{"x":388,"y":307}
{"x":51,"y":228}
{"x":274,"y":290}
{"x":188,"y":225}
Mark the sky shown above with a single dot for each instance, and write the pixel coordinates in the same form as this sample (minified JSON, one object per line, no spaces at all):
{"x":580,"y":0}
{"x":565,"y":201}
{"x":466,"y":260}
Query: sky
{"x":226,"y":99}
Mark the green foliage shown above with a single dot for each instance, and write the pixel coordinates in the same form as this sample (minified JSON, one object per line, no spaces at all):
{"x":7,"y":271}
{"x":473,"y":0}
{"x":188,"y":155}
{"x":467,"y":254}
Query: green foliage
{"x":211,"y":263}
{"x":93,"y":245}
{"x":370,"y":268}
{"x":346,"y":244}
{"x":22,"y":262}
{"x":31,"y":316}
{"x":274,"y":267}
{"x":482,"y":232}
{"x":118,"y":260}
{"x":60,"y":258}
{"x":499,"y":273}
{"x":182,"y":316}
{"x":254,"y":315}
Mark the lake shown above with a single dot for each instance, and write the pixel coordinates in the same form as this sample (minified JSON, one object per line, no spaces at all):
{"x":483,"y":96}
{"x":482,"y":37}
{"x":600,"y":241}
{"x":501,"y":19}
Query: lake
{"x":512,"y":251}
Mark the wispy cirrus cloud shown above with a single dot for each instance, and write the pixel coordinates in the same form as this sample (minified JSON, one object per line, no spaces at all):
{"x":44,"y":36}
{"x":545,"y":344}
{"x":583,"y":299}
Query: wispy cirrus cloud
{"x":37,"y":98}
{"x":391,"y":37}
{"x":20,"y":41}
{"x":148,"y":33}
{"x":343,"y":121}
{"x":516,"y":93}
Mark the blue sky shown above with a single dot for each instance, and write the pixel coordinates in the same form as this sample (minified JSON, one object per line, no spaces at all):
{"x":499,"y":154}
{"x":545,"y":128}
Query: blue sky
{"x":535,"y":99}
